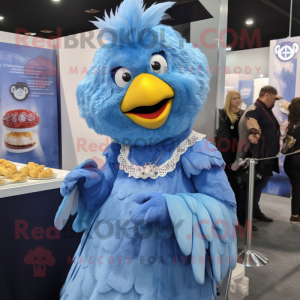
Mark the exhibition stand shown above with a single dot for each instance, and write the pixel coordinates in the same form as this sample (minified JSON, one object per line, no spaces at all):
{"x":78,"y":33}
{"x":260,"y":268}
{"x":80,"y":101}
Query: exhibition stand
{"x":38,"y":258}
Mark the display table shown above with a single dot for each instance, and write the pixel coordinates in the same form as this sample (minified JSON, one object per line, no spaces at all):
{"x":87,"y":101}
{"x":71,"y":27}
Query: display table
{"x":35,"y":256}
{"x":32,"y":185}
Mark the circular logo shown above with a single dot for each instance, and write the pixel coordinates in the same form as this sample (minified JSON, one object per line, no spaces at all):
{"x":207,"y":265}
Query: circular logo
{"x":286,"y":51}
{"x":20,"y":91}
{"x":246,"y":92}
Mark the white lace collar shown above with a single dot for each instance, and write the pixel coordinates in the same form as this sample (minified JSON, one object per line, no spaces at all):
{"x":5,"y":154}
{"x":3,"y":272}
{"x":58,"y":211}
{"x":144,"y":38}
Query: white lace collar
{"x":158,"y":171}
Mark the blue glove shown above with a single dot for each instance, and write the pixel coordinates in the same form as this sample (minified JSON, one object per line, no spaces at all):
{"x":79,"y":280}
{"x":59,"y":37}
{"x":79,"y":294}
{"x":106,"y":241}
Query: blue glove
{"x":153,"y":208}
{"x":88,"y":178}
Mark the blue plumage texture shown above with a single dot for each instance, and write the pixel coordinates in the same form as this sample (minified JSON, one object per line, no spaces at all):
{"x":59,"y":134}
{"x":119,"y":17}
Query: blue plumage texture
{"x":131,"y":23}
{"x":99,"y":98}
{"x":152,"y":208}
{"x":118,"y":259}
{"x":171,"y":237}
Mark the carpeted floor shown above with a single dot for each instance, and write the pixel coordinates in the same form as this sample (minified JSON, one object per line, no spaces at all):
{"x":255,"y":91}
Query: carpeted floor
{"x":280,"y":241}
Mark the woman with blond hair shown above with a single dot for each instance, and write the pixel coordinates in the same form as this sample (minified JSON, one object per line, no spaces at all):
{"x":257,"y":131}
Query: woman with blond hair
{"x":292,"y":162}
{"x":228,"y":135}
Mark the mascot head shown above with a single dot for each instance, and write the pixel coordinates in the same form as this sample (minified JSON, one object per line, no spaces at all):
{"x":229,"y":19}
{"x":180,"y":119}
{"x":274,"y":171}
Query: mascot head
{"x":146,"y":82}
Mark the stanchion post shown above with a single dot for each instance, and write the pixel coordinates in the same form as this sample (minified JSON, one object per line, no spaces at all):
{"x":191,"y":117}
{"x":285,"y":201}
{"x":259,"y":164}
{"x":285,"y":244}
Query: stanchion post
{"x":250,"y":204}
{"x":251,"y":258}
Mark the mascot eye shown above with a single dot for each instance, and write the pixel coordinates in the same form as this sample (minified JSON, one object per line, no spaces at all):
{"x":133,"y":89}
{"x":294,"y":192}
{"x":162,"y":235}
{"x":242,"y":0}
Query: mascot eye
{"x":122,"y":77}
{"x":158,"y":64}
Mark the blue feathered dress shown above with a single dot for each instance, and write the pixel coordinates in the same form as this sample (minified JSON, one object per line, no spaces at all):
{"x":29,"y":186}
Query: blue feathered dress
{"x":117,"y":259}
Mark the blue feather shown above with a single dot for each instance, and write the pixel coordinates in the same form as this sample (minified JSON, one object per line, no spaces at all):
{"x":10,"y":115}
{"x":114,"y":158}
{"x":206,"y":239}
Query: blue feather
{"x":198,"y":260}
{"x":185,"y":219}
{"x":222,"y":247}
{"x":143,"y":284}
{"x":131,"y":22}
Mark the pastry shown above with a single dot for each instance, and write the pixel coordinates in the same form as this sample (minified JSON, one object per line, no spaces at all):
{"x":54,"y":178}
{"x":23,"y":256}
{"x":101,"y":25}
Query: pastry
{"x":7,"y":172}
{"x":34,"y":173}
{"x":32,"y":165}
{"x":5,"y":163}
{"x":17,"y":176}
{"x":37,"y":171}
{"x":7,"y":167}
{"x":25,"y":170}
{"x":20,"y":118}
{"x":46,"y":173}
{"x":2,"y":181}
{"x":20,"y":140}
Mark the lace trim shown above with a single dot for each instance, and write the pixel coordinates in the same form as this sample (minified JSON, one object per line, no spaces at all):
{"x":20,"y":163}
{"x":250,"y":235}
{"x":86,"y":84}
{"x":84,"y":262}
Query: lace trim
{"x":158,"y":171}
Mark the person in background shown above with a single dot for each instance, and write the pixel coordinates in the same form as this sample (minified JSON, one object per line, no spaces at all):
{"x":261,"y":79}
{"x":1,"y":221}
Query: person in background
{"x":261,"y":130}
{"x":228,"y":136}
{"x":292,"y":162}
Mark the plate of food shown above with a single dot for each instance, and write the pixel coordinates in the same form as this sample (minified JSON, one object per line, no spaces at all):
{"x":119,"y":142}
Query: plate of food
{"x":38,"y":172}
{"x":284,"y":106}
{"x":19,"y":120}
{"x":13,"y":177}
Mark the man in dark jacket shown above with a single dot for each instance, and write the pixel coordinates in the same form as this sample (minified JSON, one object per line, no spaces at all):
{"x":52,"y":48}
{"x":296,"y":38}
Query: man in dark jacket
{"x":261,"y":130}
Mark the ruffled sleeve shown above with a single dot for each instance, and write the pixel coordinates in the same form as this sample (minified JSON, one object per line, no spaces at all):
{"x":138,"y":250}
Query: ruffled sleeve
{"x":203,"y":163}
{"x":201,"y":156}
{"x":74,"y":202}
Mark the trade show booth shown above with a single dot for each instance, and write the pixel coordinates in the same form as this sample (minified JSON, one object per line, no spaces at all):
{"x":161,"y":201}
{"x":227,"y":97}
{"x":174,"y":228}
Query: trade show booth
{"x":43,"y":138}
{"x":41,"y":125}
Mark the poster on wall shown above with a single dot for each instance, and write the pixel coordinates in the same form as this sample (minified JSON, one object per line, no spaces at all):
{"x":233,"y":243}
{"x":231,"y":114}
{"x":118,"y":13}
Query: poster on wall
{"x":246,"y":89}
{"x":285,"y":77}
{"x":28,"y":105}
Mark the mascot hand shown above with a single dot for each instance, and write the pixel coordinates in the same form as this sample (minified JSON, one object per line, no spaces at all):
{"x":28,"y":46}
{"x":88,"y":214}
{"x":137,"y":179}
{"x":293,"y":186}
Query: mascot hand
{"x":87,"y":176}
{"x":152,"y":208}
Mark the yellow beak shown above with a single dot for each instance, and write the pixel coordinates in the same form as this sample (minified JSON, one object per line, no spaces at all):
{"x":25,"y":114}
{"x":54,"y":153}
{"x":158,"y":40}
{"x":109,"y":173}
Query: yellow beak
{"x":148,"y":101}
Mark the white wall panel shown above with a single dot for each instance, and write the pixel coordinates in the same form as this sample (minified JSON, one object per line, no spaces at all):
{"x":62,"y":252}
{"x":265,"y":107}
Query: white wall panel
{"x":79,"y":142}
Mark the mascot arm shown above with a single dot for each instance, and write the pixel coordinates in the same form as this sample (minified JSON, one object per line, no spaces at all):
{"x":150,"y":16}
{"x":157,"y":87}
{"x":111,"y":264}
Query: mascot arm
{"x":204,"y":222}
{"x":204,"y":164}
{"x":85,"y":189}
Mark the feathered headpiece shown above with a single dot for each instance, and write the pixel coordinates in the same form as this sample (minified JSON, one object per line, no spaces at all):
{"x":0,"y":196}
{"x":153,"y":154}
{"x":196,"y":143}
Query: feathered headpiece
{"x":131,"y":23}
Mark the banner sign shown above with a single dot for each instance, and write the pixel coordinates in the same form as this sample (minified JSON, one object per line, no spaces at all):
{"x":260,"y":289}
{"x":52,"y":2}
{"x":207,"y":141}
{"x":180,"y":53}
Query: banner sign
{"x":28,"y":106}
{"x":246,"y":89}
{"x":284,"y":75}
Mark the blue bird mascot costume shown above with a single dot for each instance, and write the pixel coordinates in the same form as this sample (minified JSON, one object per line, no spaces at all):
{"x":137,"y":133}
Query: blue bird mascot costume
{"x":159,"y":216}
